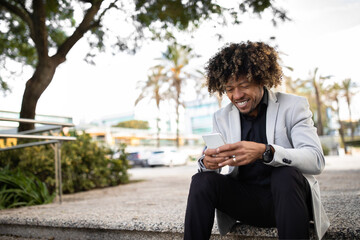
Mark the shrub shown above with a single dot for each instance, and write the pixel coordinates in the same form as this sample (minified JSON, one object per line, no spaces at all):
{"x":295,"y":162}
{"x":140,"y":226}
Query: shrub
{"x":326,"y":150}
{"x":22,"y":189}
{"x":85,"y":165}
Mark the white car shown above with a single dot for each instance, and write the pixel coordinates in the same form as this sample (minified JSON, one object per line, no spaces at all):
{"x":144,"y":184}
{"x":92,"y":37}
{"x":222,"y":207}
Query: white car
{"x":167,"y":158}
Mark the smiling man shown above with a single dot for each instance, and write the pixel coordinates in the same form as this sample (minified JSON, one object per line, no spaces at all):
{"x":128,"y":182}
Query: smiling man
{"x":245,"y":95}
{"x":272,"y":149}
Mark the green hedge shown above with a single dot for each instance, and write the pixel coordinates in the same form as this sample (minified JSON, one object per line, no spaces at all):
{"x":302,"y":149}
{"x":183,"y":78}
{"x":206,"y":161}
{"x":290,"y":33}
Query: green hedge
{"x":85,"y":164}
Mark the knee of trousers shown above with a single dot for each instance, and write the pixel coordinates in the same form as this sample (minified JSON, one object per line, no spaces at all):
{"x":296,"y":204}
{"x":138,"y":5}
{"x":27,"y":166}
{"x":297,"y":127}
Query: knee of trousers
{"x":287,"y":180}
{"x":204,"y":182}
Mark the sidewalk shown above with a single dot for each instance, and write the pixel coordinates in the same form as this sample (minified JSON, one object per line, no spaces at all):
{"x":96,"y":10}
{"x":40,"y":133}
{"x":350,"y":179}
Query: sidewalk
{"x":155,"y":208}
{"x":340,"y":193}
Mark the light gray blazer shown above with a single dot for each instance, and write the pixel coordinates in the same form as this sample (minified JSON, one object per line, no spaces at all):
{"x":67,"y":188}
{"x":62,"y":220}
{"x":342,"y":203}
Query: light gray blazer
{"x":290,"y":130}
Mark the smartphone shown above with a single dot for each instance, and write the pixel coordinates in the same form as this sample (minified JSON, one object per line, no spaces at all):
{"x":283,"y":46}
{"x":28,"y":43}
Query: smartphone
{"x":215,"y":140}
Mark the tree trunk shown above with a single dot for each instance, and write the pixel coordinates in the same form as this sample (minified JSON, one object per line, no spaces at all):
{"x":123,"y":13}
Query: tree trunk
{"x":157,"y":99}
{"x":177,"y":125}
{"x":341,"y":130}
{"x":350,"y":118}
{"x":35,"y":86}
{"x":157,"y":132}
{"x":46,"y":67}
{"x":178,"y":92}
{"x":320,"y":128}
{"x":342,"y":136}
{"x":219,"y":99}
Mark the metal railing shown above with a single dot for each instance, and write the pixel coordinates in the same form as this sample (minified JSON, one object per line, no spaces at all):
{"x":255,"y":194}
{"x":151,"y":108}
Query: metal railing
{"x":54,"y":141}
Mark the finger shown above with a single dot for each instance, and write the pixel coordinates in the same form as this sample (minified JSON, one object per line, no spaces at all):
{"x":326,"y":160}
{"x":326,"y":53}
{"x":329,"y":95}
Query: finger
{"x":210,"y":151}
{"x":211,"y":165}
{"x":227,"y":148}
{"x":229,"y":162}
{"x":232,"y":161}
{"x":208,"y":160}
{"x":213,"y":162}
{"x":227,"y":154}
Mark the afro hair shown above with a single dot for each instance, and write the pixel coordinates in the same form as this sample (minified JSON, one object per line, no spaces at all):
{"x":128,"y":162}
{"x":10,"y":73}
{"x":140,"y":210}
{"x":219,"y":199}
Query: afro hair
{"x":257,"y":61}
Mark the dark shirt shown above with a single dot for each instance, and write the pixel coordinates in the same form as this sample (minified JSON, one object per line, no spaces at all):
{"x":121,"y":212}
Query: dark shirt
{"x":254,"y":129}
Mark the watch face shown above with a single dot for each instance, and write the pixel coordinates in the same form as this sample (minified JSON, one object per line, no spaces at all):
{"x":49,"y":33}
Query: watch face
{"x":267,"y":154}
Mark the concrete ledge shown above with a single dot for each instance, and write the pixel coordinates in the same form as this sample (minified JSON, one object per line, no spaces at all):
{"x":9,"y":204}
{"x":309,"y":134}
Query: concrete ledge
{"x":271,"y":233}
{"x":61,"y":233}
{"x":240,"y":232}
{"x":155,"y":209}
{"x":64,"y":233}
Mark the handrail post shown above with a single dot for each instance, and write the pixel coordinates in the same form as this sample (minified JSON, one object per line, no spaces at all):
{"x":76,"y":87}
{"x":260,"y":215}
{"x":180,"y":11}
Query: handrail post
{"x":59,"y":168}
{"x":58,"y":177}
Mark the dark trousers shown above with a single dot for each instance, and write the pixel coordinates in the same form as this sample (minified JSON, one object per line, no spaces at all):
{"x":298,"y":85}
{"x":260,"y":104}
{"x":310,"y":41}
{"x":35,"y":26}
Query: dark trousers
{"x":285,"y":204}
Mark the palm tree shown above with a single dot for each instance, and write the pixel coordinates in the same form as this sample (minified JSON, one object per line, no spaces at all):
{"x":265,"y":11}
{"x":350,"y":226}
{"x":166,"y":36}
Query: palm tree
{"x":298,"y":86}
{"x":178,"y":56}
{"x":152,"y":89}
{"x":333,"y":93}
{"x":347,"y":86}
{"x":287,"y":85}
{"x":316,"y":84}
{"x":200,"y":87}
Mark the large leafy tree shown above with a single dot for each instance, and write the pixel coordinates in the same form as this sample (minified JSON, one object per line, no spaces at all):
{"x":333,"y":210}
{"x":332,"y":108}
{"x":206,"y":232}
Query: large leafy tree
{"x":137,"y":124}
{"x":40,"y":33}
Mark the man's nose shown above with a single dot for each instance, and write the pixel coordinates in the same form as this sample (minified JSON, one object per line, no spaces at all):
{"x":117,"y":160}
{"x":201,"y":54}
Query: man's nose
{"x":238,"y":93}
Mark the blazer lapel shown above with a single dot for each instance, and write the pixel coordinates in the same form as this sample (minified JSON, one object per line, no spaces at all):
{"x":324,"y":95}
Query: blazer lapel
{"x":234,"y":122}
{"x":234,"y":133}
{"x":271,"y":115}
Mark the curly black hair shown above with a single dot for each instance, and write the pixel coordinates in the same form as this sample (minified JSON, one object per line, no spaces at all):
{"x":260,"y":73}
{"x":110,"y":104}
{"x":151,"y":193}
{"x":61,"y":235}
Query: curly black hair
{"x":255,"y":60}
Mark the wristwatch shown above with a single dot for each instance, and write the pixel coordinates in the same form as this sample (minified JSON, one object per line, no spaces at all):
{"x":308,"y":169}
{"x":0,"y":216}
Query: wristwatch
{"x":268,"y":155}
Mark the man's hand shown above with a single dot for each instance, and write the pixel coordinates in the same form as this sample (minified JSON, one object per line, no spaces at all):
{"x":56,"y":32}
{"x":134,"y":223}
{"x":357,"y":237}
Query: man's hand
{"x":235,"y":154}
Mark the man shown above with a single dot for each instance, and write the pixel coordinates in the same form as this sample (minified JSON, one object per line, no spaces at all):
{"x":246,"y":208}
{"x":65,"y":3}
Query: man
{"x":272,"y":150}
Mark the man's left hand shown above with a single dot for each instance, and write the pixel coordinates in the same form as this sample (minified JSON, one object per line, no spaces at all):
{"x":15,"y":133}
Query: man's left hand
{"x":240,"y":153}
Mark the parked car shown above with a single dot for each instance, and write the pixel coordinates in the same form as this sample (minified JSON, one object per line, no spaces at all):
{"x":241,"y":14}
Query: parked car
{"x":138,"y":158}
{"x":167,"y":158}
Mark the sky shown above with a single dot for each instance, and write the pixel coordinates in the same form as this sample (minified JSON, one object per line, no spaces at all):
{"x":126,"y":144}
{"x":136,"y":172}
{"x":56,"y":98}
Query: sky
{"x":322,"y":33}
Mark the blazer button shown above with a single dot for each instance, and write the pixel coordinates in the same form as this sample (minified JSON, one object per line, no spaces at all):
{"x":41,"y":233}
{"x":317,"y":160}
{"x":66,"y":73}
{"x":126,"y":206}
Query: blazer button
{"x":287,"y":161}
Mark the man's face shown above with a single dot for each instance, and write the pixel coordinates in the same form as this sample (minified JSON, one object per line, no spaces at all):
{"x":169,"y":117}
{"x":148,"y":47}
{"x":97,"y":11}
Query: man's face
{"x":244,"y":95}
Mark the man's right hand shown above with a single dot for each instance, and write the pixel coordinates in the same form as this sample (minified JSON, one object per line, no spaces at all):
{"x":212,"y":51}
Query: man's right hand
{"x":235,"y":154}
{"x":211,"y":160}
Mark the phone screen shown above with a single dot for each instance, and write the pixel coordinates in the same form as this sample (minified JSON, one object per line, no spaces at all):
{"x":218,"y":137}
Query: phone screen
{"x":215,"y":140}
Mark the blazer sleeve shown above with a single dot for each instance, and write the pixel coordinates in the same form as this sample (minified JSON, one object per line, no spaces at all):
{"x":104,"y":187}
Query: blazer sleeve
{"x":305,"y":152}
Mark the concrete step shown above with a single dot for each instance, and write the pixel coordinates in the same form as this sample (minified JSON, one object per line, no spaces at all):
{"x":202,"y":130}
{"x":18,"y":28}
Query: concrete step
{"x":155,"y":209}
{"x":28,"y":232}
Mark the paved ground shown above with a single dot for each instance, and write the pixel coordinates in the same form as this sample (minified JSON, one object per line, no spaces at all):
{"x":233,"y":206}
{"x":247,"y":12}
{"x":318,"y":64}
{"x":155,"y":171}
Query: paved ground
{"x":157,"y":203}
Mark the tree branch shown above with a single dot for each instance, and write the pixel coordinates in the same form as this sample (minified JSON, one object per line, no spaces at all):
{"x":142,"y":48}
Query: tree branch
{"x":111,"y":5}
{"x":22,"y":13}
{"x":40,"y":30}
{"x":86,"y":24}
